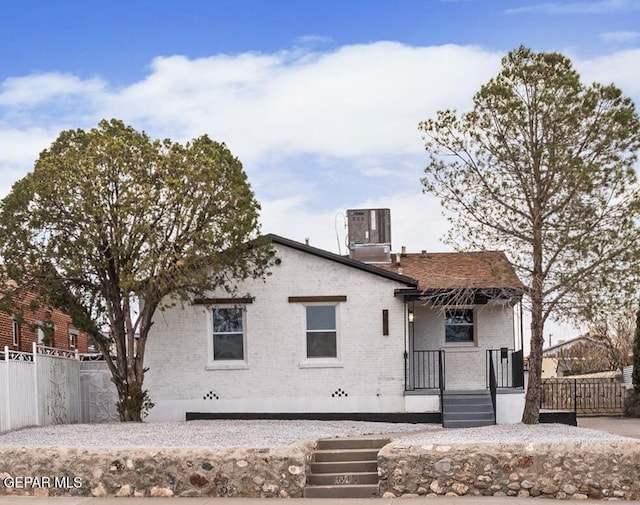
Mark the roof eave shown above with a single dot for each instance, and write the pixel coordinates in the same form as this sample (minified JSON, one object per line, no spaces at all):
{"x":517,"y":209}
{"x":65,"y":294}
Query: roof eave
{"x":321,"y":253}
{"x":495,"y":293}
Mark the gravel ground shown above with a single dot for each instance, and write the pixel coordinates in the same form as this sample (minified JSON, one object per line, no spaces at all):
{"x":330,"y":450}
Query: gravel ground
{"x":257,"y":434}
{"x":512,"y":433}
{"x":260,"y":434}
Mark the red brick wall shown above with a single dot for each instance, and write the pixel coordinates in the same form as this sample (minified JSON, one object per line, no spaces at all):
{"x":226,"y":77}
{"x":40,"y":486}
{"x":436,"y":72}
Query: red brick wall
{"x":28,"y":332}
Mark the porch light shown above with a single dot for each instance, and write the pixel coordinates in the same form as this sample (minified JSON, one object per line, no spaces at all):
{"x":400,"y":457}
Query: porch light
{"x":411,"y":316}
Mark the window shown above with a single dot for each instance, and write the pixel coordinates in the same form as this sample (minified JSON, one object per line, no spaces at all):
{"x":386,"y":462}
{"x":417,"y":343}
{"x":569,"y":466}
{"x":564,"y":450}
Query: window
{"x":321,"y":331}
{"x":15,"y":332}
{"x":73,"y":339}
{"x":45,"y":333}
{"x":459,"y":326}
{"x":228,"y":334}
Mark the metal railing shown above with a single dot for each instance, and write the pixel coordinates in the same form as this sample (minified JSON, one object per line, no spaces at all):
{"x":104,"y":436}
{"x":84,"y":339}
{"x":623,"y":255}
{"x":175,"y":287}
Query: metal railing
{"x":505,"y":367}
{"x":582,"y":396}
{"x":424,"y":370}
{"x":493,"y":383}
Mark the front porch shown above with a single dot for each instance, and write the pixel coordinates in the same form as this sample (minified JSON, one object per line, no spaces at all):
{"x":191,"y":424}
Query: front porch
{"x":426,"y":370}
{"x":496,"y":397}
{"x":461,"y":358}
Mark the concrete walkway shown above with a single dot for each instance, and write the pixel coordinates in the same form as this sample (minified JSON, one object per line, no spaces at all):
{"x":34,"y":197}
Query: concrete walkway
{"x":440,"y":500}
{"x":625,"y":426}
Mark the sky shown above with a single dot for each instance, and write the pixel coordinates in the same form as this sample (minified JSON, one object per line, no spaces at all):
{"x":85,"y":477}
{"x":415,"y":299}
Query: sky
{"x":319,"y":99}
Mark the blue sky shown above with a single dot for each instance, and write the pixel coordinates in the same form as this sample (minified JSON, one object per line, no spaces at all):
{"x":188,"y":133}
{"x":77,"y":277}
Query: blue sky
{"x":319,"y":99}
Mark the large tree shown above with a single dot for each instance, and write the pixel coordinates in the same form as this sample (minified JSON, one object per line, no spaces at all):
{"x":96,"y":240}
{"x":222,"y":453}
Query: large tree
{"x":111,"y":226}
{"x":542,"y":168}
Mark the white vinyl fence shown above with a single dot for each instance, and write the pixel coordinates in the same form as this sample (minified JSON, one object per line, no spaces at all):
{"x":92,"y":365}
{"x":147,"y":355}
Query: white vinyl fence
{"x":18,"y":406}
{"x":44,"y":387}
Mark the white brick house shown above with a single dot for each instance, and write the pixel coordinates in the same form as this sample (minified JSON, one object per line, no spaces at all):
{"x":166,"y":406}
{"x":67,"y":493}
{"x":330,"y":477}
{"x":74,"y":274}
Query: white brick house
{"x":330,"y":337}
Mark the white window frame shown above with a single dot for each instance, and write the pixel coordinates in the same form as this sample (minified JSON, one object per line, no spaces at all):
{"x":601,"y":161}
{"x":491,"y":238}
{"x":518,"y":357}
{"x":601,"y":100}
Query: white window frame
{"x":474,"y":325}
{"x":228,"y":364}
{"x":15,"y":332}
{"x":327,"y":362}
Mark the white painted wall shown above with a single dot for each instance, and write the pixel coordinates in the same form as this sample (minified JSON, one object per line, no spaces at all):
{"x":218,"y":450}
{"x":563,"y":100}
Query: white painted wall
{"x":422,"y":403}
{"x":509,"y":407}
{"x":276,"y":376}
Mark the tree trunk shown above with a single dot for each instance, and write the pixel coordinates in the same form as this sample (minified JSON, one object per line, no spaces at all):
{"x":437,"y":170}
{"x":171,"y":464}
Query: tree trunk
{"x":635,"y":376}
{"x":130,"y":401}
{"x":531,"y":413}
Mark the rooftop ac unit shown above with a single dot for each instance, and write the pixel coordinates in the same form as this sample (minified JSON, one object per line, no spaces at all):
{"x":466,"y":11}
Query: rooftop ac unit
{"x":369,"y":226}
{"x":373,"y":253}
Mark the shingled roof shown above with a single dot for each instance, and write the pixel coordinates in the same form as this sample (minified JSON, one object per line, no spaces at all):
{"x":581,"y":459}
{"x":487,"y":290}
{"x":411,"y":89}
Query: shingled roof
{"x":484,"y":270}
{"x":451,"y":270}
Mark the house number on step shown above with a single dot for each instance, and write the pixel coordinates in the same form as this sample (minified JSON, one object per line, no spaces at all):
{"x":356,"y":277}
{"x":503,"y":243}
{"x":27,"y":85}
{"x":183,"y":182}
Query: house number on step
{"x":346,"y":479}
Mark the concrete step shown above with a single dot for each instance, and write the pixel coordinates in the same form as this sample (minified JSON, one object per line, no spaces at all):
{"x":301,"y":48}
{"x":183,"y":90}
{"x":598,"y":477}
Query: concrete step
{"x":470,"y":403}
{"x":480,"y":407}
{"x":346,"y":455}
{"x":453,"y":392}
{"x":467,"y":409}
{"x":343,"y":479}
{"x":477,"y":398}
{"x":467,"y":423}
{"x":355,"y":491}
{"x":343,"y":467}
{"x":352,"y":443}
{"x":486,"y":420}
{"x":471,"y":409}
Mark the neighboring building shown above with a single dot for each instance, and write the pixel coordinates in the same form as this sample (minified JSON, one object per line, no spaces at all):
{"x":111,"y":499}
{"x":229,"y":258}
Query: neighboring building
{"x":579,"y":356}
{"x":325,"y":336}
{"x":44,"y":326}
{"x":565,"y":345}
{"x":557,"y":360}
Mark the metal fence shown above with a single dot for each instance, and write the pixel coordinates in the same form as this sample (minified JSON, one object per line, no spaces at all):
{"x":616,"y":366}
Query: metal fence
{"x":583,"y":396}
{"x":44,"y":387}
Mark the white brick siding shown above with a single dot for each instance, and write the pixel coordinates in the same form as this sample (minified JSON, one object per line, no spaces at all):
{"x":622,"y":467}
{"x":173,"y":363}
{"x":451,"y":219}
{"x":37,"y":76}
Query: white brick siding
{"x":371,"y":368}
{"x":275,"y":378}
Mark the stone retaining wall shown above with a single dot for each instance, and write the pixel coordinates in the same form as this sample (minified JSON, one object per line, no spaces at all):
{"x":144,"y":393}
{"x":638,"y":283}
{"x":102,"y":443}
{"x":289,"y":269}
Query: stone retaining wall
{"x":564,"y":471}
{"x":54,"y":471}
{"x":576,"y":471}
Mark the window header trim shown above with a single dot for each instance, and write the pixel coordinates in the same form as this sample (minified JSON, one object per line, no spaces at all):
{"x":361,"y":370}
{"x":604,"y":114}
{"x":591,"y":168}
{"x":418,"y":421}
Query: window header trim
{"x":314,"y":299}
{"x":223,"y":301}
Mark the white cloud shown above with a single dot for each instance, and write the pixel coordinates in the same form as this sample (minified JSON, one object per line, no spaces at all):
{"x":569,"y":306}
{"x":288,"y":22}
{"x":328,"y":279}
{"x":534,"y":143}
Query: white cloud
{"x":284,"y":115}
{"x":18,"y":152}
{"x":41,"y":88}
{"x":379,"y":172}
{"x":355,"y":101}
{"x":597,"y":7}
{"x":416,"y":221}
{"x":621,"y":68}
{"x":620,"y":36}
{"x":313,"y":40}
